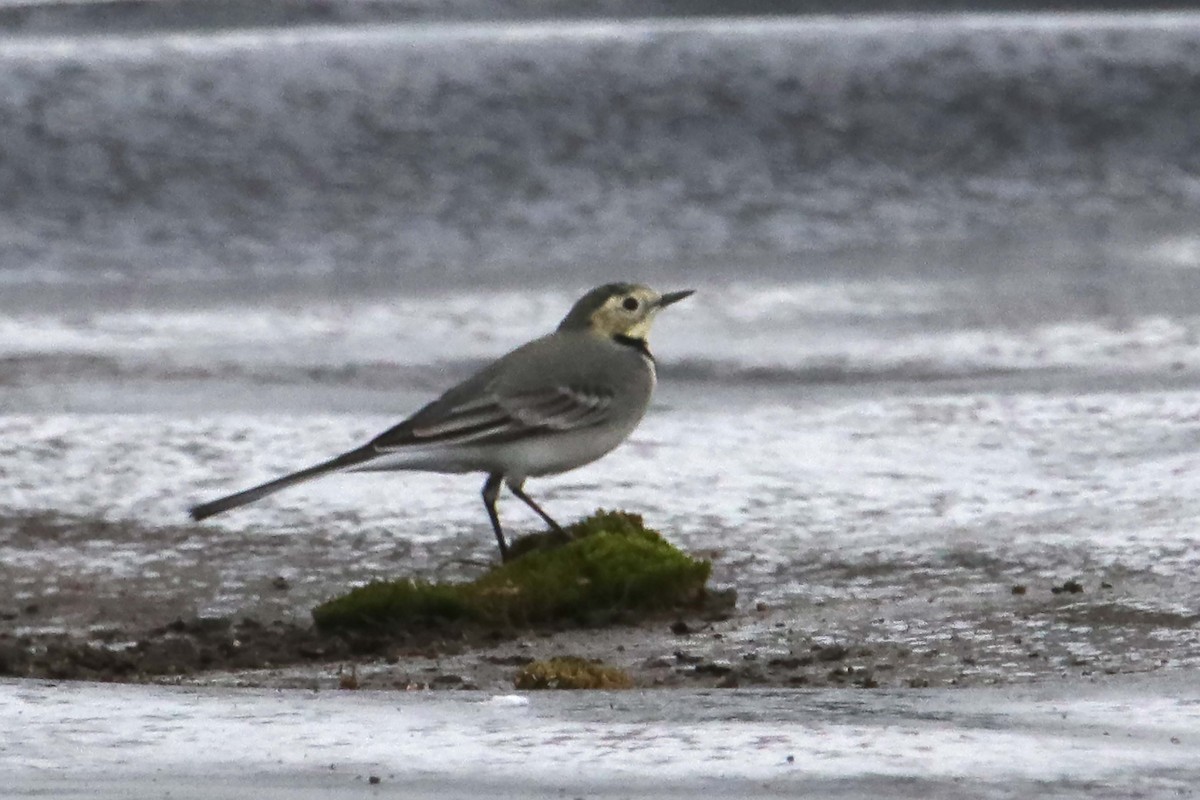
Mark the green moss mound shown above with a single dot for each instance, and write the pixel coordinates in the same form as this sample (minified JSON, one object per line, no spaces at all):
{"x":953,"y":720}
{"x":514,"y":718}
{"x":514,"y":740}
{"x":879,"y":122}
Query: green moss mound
{"x":571,"y":673}
{"x":613,"y":569}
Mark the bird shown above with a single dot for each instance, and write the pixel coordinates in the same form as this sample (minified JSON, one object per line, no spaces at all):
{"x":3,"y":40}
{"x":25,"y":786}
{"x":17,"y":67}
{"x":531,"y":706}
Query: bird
{"x":551,"y":405}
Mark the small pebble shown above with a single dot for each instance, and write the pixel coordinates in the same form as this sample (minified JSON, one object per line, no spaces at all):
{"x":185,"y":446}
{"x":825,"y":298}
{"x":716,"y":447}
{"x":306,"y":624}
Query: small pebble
{"x":348,"y":680}
{"x":373,"y":780}
{"x":713,"y":668}
{"x":835,"y":652}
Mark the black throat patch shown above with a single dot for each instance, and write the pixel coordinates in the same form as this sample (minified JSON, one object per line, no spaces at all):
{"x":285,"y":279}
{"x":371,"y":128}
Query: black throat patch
{"x":637,"y":344}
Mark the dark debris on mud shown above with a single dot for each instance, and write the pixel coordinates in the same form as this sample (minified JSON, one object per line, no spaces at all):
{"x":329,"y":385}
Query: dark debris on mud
{"x":192,"y":647}
{"x":183,"y":647}
{"x":218,"y":645}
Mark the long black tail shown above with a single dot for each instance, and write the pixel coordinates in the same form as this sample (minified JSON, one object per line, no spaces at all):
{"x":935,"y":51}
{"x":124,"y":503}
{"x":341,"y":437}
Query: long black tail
{"x":222,"y":504}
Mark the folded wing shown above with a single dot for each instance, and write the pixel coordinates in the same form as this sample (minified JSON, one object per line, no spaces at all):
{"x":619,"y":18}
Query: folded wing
{"x":494,"y":418}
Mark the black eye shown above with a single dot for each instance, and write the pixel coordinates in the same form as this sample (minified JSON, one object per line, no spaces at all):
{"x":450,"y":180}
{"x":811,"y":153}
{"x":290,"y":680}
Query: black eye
{"x":631,"y":304}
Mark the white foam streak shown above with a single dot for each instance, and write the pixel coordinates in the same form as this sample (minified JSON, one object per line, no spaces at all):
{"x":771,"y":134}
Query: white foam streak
{"x":884,"y":328}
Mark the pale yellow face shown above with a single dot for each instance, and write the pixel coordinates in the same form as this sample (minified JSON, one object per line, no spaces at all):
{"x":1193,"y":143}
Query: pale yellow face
{"x":629,"y":313}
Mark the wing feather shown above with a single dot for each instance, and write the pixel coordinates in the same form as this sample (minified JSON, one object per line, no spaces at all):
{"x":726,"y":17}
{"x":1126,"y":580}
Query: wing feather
{"x":493,"y":417}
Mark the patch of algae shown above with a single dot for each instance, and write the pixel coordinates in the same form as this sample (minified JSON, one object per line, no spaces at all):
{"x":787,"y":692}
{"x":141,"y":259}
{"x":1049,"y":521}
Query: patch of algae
{"x":571,"y":673}
{"x":613,"y":569}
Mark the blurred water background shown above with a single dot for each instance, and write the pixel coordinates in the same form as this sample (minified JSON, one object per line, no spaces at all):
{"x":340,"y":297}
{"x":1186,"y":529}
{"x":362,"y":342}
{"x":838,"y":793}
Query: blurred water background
{"x":871,"y":177}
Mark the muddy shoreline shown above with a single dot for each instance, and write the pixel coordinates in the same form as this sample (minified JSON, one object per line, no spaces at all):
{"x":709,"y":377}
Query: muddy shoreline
{"x":997,"y":627}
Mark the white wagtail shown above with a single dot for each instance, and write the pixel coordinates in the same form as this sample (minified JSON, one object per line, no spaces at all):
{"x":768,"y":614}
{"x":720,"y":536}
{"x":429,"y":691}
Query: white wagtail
{"x":549,"y":406}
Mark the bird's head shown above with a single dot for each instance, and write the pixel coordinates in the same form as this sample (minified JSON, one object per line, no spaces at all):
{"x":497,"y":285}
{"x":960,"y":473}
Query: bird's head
{"x":619,"y":310}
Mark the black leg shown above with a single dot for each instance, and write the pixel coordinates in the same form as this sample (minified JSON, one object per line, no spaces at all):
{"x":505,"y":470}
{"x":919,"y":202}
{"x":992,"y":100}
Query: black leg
{"x":527,"y":500}
{"x":491,"y":491}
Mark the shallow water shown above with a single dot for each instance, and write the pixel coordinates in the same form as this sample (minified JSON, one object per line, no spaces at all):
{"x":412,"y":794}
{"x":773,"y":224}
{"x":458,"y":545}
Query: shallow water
{"x":433,"y":155}
{"x":1118,"y":740}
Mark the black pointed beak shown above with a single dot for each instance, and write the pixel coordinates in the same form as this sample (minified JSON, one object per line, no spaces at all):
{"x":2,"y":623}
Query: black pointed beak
{"x":674,"y":297}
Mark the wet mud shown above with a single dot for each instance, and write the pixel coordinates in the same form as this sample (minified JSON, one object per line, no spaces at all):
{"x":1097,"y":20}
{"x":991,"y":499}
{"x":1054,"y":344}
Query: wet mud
{"x":988,"y":625}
